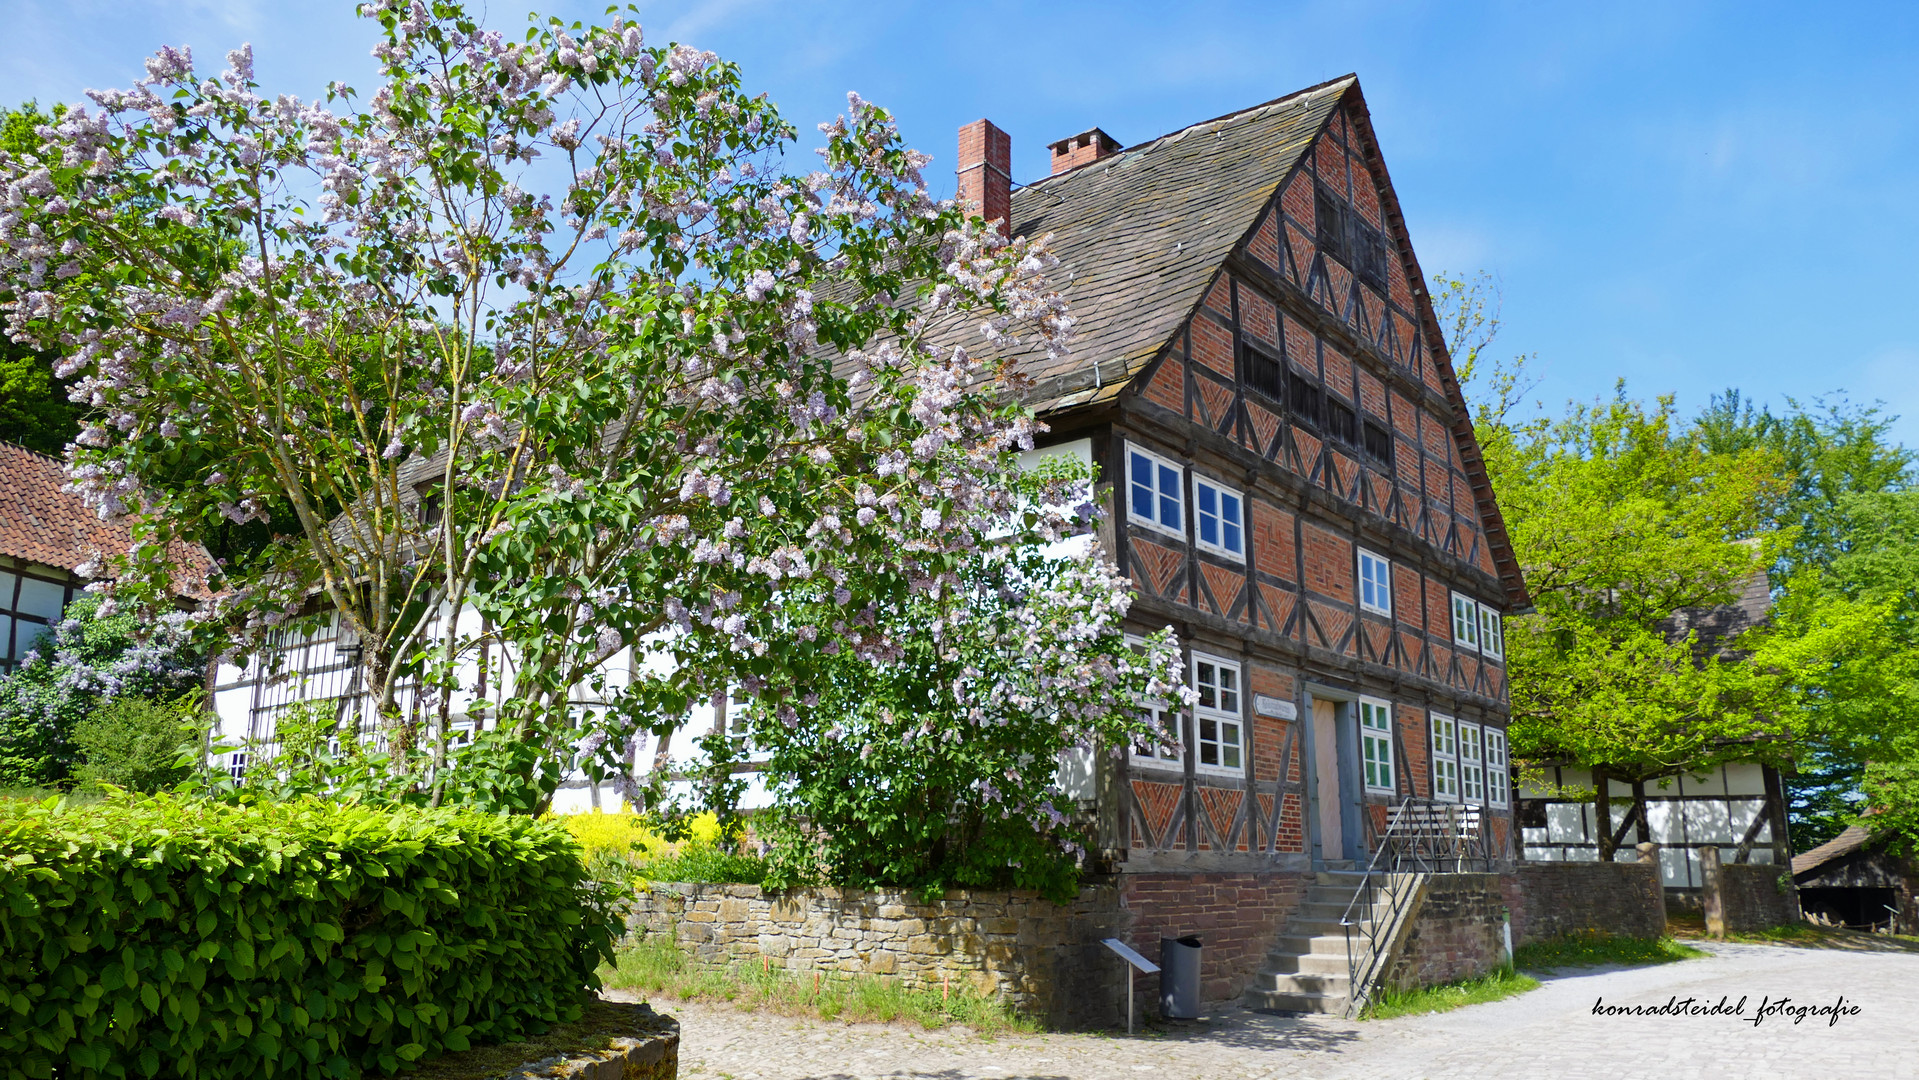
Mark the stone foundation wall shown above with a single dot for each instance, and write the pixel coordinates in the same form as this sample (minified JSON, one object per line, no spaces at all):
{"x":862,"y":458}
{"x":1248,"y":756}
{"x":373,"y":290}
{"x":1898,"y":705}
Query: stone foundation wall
{"x":1556,"y":899}
{"x":1044,"y":959}
{"x":1456,"y":932}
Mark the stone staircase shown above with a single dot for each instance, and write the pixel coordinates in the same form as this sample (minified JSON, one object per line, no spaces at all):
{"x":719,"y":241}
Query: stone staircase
{"x":1307,"y":970}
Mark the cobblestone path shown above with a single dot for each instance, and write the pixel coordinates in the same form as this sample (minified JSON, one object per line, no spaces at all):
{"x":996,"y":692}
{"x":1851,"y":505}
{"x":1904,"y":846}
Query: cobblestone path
{"x":1550,"y":1032}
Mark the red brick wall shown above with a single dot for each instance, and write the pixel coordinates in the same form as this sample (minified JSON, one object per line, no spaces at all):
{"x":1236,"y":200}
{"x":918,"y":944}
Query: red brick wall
{"x":1329,"y":564}
{"x":1237,"y":918}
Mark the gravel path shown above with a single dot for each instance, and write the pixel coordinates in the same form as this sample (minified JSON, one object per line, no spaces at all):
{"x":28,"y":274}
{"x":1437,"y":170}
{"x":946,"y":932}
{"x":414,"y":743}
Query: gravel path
{"x":1550,"y":1032}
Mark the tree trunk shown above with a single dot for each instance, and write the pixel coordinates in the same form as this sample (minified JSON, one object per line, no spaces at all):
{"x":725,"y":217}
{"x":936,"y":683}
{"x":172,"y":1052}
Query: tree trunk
{"x":1602,"y":811}
{"x":1641,"y":826}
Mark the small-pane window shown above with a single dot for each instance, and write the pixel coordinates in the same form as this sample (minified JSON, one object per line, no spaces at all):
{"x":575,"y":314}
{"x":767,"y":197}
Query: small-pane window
{"x":1445,"y":754}
{"x":1217,"y":517}
{"x":1379,"y":445}
{"x":1217,"y":720}
{"x":42,"y":598}
{"x":1465,"y":622}
{"x":1492,"y":636}
{"x":1164,"y":750}
{"x":1341,"y":423}
{"x":1376,"y":743}
{"x":1329,"y":220}
{"x":1154,"y":496}
{"x":1303,"y":399}
{"x":1375,"y":583}
{"x":1472,"y":767}
{"x":1264,"y":373}
{"x":1498,"y":779}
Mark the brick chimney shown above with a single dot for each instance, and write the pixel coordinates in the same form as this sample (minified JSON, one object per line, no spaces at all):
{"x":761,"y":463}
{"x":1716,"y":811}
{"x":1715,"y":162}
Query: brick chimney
{"x":1087,"y":146}
{"x":986,"y":172}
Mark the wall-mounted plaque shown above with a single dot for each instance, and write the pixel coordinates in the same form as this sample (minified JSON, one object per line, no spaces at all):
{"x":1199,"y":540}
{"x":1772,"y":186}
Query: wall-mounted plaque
{"x":1277,"y":708}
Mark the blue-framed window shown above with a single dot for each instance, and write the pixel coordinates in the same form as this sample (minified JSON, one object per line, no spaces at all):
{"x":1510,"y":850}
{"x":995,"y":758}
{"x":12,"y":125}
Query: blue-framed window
{"x":1155,"y":494}
{"x":1218,"y":518}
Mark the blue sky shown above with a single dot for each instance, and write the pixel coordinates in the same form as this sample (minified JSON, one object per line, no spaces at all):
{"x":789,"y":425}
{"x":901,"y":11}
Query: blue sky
{"x":1688,"y":196}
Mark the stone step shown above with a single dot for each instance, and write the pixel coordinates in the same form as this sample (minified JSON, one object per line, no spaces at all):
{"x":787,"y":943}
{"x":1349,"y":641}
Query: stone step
{"x":1315,"y":944}
{"x":1334,"y":1004}
{"x":1329,"y":909}
{"x":1305,"y":963}
{"x":1301,"y":982}
{"x":1298,"y":927}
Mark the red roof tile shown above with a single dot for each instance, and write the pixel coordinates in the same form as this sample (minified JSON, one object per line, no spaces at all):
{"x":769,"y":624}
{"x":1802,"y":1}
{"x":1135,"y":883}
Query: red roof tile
{"x":43,"y":524}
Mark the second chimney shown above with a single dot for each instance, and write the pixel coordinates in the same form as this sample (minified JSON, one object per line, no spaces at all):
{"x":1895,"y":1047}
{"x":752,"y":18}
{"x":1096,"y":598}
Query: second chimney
{"x":1084,"y":148}
{"x":986,"y":172}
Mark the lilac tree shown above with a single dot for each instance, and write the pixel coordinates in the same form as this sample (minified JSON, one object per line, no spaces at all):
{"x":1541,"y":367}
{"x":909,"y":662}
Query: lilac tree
{"x":545,"y":330}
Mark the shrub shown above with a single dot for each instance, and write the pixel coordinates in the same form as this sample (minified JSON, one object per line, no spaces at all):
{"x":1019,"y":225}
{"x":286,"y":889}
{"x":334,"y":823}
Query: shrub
{"x":620,"y":848}
{"x":698,"y":860}
{"x":83,"y":662}
{"x":304,"y":939}
{"x":136,"y":744}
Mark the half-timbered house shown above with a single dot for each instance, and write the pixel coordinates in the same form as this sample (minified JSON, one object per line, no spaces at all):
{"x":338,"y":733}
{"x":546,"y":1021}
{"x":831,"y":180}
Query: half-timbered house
{"x":1293,"y":484}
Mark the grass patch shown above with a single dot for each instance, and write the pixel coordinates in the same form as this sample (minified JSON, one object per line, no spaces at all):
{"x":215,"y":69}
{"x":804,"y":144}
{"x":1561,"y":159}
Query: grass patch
{"x":1497,"y":984}
{"x":1808,"y":935}
{"x":1591,"y":950}
{"x":659,"y":969}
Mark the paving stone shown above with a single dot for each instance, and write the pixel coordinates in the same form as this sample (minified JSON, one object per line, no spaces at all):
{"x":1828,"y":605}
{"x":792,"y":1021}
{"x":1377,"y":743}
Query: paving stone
{"x":1550,"y":1032}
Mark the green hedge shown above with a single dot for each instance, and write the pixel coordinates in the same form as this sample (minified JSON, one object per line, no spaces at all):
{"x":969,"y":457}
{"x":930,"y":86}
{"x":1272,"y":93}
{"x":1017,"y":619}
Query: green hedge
{"x":178,"y":937}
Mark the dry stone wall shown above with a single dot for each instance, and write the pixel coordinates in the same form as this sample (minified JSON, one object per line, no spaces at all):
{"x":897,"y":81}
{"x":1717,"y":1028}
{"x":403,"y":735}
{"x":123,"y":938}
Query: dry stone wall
{"x":1557,"y":899}
{"x":1743,"y":897}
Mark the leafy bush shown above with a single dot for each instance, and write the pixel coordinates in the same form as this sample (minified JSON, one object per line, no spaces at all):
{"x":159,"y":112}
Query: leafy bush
{"x":701,"y":861}
{"x":305,"y":939}
{"x":934,"y":764}
{"x":84,"y":662}
{"x":137,"y":744}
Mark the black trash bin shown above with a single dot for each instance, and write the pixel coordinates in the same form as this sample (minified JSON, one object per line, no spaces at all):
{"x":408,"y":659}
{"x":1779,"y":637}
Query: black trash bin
{"x":1179,"y":978}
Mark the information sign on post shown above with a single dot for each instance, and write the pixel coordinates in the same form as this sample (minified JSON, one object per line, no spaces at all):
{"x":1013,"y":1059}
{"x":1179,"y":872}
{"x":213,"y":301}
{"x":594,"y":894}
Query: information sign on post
{"x":1134,"y":962}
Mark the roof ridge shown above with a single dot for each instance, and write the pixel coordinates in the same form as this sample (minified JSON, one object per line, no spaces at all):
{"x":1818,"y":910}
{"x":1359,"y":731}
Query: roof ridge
{"x":1112,"y":160}
{"x":48,"y":458}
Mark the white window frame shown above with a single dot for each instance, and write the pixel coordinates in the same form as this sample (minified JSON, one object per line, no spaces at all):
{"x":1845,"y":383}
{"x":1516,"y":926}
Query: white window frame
{"x":1220,"y":493}
{"x":1384,"y":586}
{"x":1465,"y":617}
{"x":1376,"y":745}
{"x":1472,"y":764}
{"x":1159,"y":461}
{"x":1444,"y":750}
{"x":1173,"y":757}
{"x":1498,"y":769}
{"x":1157,"y":757}
{"x":1220,"y":716}
{"x":1492,"y":635}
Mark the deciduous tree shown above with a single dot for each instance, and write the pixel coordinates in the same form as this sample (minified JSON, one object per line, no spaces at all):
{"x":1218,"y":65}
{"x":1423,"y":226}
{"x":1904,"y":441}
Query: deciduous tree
{"x":543,"y":328}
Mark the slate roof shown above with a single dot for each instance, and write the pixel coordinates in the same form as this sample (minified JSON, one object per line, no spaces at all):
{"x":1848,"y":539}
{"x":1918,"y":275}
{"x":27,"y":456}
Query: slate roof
{"x":1140,"y":233}
{"x":43,"y":524}
{"x":1719,"y":627}
{"x":1847,"y":842}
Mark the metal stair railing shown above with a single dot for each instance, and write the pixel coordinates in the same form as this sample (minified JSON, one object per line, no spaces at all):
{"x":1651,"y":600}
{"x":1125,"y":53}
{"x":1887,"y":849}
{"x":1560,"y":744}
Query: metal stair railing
{"x":1422,"y":836}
